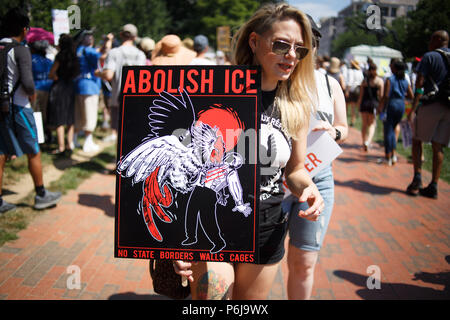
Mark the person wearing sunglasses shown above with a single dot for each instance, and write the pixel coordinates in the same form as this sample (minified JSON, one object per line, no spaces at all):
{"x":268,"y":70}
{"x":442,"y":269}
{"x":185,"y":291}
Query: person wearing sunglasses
{"x":277,"y":38}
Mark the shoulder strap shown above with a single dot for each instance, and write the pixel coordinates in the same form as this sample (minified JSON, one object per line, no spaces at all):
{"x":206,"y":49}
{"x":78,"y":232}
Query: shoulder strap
{"x":328,"y":85}
{"x":445,"y":56}
{"x":5,"y":47}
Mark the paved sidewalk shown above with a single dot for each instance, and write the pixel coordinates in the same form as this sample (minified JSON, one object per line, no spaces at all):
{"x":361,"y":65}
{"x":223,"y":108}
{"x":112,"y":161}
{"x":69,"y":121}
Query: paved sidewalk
{"x":374,"y":224}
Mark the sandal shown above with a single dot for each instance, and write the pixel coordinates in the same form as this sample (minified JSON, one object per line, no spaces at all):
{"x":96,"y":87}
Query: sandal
{"x":57,"y":153}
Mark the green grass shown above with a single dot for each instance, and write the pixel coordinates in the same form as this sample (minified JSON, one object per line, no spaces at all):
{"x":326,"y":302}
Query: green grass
{"x":406,"y":152}
{"x":12,"y":222}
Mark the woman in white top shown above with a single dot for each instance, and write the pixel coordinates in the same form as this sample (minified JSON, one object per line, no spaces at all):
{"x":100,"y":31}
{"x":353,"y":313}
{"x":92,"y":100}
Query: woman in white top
{"x":306,"y":234}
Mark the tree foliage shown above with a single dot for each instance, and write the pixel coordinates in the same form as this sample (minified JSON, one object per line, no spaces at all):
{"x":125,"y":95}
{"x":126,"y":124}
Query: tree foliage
{"x":429,"y":16}
{"x":153,"y":18}
{"x":409,"y":34}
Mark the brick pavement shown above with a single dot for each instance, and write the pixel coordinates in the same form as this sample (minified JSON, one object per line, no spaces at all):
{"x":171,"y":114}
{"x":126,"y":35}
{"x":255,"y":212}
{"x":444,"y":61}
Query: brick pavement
{"x":374,"y":224}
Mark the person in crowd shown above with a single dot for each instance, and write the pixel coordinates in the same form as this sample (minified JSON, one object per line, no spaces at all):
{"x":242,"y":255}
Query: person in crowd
{"x":334,"y":71}
{"x":278,"y":38}
{"x":61,"y":106}
{"x":370,"y":92}
{"x":201,"y":47}
{"x":306,"y":235}
{"x":354,"y":79}
{"x":125,"y":55}
{"x":88,"y":89}
{"x":147,"y":45}
{"x":432,"y":119}
{"x":41,"y":66}
{"x":170,"y":51}
{"x":393,"y":105}
{"x":188,"y":43}
{"x":320,"y":65}
{"x":221,"y":58}
{"x":17,"y":125}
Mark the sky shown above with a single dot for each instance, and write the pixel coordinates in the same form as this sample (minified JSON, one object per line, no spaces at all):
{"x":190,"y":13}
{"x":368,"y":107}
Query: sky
{"x":320,"y":8}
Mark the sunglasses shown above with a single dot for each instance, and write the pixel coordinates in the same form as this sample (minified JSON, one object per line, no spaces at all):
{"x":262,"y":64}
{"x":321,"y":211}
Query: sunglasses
{"x":281,"y":48}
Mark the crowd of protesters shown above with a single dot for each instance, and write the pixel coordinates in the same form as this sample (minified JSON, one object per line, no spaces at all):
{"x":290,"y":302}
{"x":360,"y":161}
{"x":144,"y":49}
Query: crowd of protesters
{"x":71,"y":83}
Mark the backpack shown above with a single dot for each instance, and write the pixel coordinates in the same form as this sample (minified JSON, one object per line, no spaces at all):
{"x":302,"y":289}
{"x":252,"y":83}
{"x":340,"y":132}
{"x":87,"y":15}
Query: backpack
{"x":5,"y":95}
{"x":444,"y":88}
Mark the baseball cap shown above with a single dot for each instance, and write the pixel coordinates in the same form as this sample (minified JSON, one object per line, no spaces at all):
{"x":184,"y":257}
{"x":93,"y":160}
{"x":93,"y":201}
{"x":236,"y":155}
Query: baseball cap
{"x":314,"y":27}
{"x":200,"y":43}
{"x":131,"y":28}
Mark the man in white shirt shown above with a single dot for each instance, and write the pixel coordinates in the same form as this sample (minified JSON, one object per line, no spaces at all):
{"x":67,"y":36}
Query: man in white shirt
{"x":125,"y":55}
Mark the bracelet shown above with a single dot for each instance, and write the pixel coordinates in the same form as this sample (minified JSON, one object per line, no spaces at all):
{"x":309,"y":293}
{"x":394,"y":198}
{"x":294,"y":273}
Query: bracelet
{"x":338,"y":135}
{"x":419,"y":90}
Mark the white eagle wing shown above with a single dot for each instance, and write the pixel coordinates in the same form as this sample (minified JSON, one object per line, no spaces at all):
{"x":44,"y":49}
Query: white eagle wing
{"x":178,"y":164}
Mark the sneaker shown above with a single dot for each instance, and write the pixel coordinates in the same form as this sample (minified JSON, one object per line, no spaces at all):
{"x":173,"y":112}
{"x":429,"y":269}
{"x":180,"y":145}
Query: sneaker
{"x":48,"y":200}
{"x":6,"y":206}
{"x":429,"y":192}
{"x":414,"y":186}
{"x":394,"y":159}
{"x":90,"y":146}
{"x":385,"y":161}
{"x":366,"y":146}
{"x":112,"y":137}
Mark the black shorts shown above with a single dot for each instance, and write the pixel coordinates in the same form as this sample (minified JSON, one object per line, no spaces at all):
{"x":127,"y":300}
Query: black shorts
{"x":272,"y":233}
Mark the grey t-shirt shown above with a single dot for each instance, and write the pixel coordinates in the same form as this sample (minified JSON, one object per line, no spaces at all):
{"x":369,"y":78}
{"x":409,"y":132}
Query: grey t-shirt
{"x":118,"y":58}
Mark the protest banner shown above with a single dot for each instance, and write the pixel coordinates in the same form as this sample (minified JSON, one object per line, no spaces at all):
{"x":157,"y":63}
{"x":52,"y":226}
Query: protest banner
{"x":188,"y":176}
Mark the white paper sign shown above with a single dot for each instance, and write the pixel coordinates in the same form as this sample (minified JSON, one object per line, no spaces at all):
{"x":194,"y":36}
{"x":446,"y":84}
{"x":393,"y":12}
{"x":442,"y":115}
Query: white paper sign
{"x":60,"y":22}
{"x":406,"y":133}
{"x":39,"y":126}
{"x":321,"y":150}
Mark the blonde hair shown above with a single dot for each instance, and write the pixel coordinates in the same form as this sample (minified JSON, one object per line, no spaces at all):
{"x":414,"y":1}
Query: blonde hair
{"x":295,"y":97}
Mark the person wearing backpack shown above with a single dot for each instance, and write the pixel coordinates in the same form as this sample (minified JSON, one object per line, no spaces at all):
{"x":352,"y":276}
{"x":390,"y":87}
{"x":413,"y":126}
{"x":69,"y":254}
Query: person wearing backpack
{"x":431,"y":121}
{"x":18,"y":128}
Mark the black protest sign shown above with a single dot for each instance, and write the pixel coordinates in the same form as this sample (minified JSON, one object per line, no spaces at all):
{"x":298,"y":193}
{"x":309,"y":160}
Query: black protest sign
{"x":188,"y":179}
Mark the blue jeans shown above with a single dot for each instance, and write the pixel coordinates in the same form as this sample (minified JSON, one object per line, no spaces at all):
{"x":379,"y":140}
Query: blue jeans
{"x":309,"y":235}
{"x":394,"y":114}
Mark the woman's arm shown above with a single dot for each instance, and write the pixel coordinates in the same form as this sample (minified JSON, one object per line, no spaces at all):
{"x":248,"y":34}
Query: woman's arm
{"x":361,"y":93}
{"x":52,"y":74}
{"x":299,"y":182}
{"x":380,"y":88}
{"x":384,"y":98}
{"x":340,"y":114}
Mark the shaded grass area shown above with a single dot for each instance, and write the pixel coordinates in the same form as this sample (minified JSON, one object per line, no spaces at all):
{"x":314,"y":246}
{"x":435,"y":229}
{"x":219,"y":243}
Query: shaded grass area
{"x":12,"y":222}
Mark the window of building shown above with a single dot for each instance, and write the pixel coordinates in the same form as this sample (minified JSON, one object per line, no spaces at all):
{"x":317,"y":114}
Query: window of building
{"x":393,"y":12}
{"x":384,"y":11}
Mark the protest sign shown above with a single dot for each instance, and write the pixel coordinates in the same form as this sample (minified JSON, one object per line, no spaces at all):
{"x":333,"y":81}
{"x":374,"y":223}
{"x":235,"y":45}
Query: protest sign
{"x":188,"y":176}
{"x":60,"y":23}
{"x":321,"y":150}
{"x":406,"y":130}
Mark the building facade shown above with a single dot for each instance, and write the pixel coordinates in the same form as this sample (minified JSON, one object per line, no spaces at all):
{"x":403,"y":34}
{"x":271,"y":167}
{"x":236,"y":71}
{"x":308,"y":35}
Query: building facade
{"x":331,"y":27}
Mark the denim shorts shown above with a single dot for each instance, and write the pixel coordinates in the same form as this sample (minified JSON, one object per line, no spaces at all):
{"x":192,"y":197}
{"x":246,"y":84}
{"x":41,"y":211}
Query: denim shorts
{"x":18,"y":135}
{"x":305,"y":234}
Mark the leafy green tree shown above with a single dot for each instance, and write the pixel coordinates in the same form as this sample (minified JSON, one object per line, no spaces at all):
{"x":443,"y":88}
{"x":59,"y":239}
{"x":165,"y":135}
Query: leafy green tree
{"x":356,"y":34}
{"x":429,"y":16}
{"x":39,"y":11}
{"x":193,"y":17}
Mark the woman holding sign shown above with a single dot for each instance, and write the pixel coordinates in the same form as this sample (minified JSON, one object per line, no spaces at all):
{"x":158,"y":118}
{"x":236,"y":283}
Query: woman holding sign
{"x":279,"y":39}
{"x":306,"y":235}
